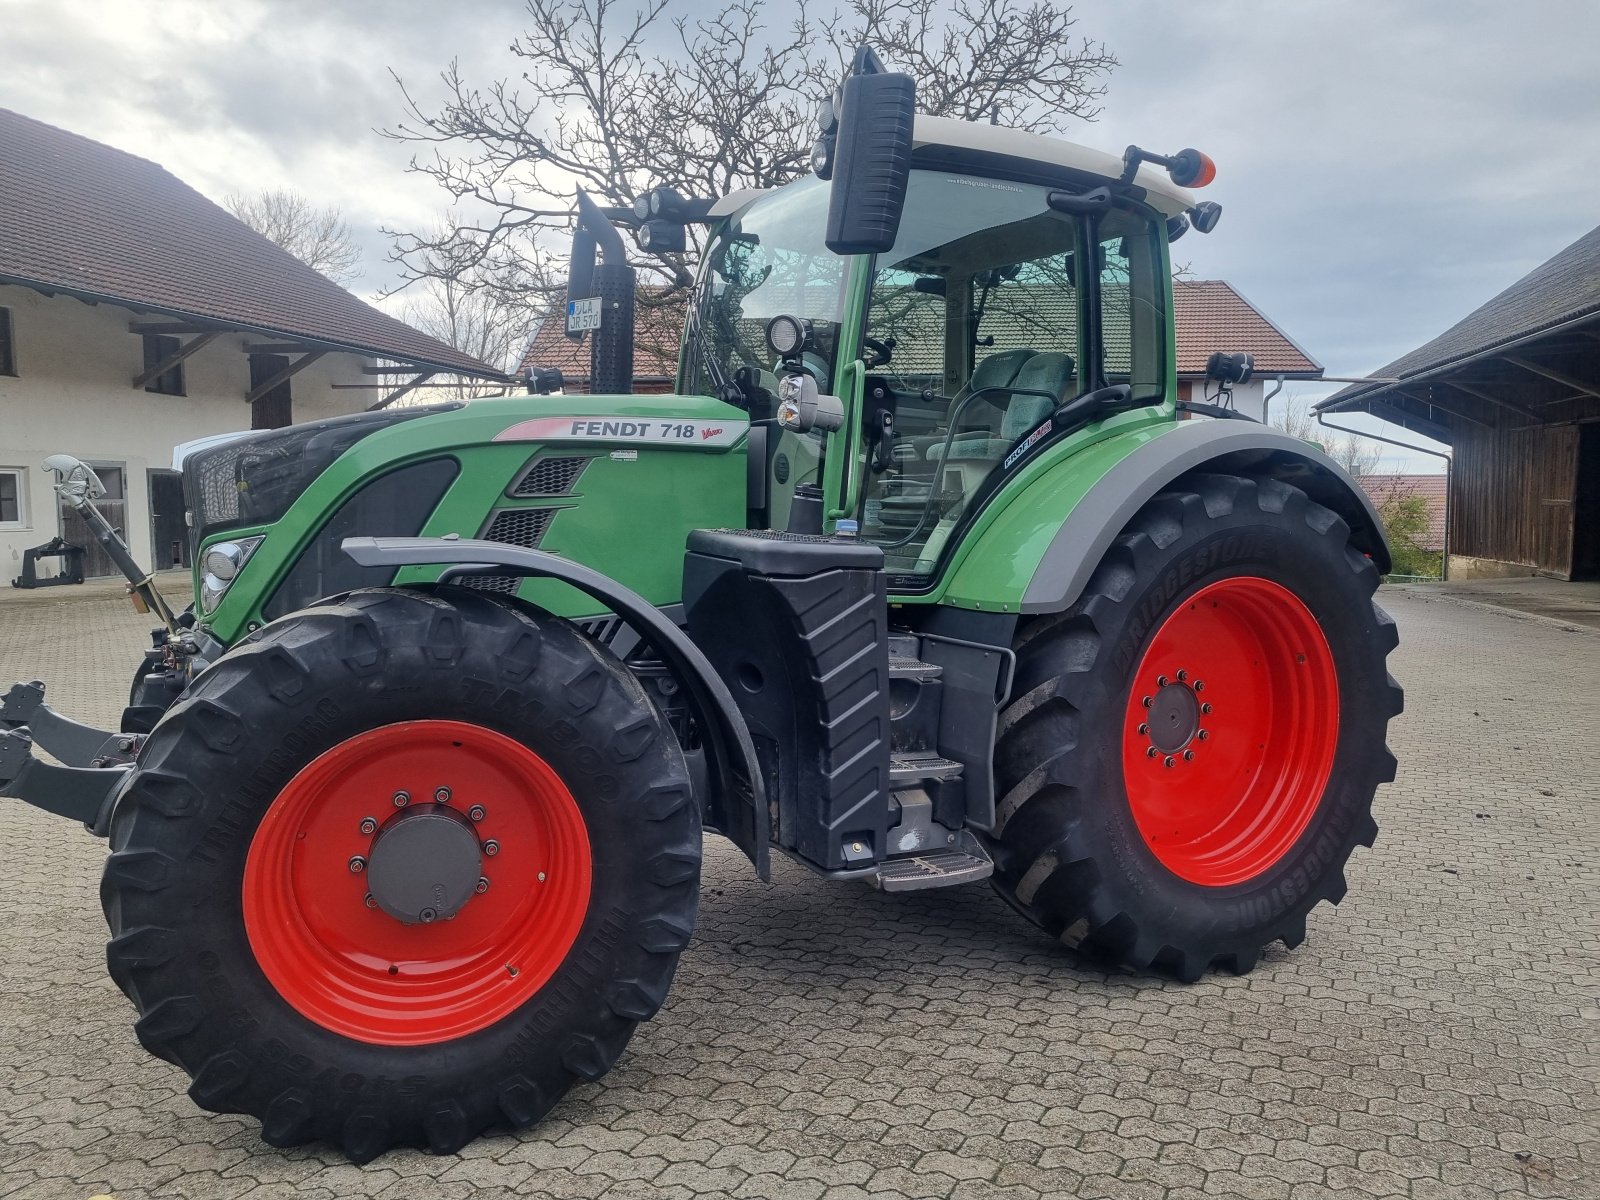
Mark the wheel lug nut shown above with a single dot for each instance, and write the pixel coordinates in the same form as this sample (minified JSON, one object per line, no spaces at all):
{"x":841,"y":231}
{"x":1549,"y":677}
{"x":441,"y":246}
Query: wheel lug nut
{"x":427,"y":916}
{"x":476,"y":813}
{"x":1144,"y":729}
{"x":441,"y":795}
{"x":483,"y":885}
{"x":401,"y":799}
{"x":1146,"y":702}
{"x":491,"y":847}
{"x":357,"y":864}
{"x":1161,"y":681}
{"x":1183,"y":677}
{"x":1199,"y":685}
{"x":369,"y":826}
{"x":1151,"y":752}
{"x":371,"y":901}
{"x":1203,"y":734}
{"x":1169,"y":761}
{"x":1205,"y":708}
{"x":1188,"y":756}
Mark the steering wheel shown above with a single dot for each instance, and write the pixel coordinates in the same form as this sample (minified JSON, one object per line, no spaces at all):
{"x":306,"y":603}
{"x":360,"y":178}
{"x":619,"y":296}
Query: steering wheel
{"x":882,"y":351}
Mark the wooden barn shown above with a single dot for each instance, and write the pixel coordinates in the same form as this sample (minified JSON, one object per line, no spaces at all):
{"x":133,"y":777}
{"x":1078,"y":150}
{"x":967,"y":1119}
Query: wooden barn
{"x":1514,"y":390}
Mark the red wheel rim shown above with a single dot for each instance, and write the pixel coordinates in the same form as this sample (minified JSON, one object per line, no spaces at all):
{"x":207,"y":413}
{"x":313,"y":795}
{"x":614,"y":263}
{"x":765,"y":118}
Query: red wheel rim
{"x":1232,"y":723}
{"x":360,"y":972}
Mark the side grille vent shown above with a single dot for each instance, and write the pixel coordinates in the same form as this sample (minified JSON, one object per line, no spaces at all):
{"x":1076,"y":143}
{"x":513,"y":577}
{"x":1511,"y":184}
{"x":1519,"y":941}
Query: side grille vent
{"x":520,"y":526}
{"x":550,"y":477}
{"x":504,"y":584}
{"x":523,"y":527}
{"x":601,"y":629}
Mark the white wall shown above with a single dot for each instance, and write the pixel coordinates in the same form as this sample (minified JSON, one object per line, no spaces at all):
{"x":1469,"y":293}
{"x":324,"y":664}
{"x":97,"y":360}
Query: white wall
{"x":72,"y":395}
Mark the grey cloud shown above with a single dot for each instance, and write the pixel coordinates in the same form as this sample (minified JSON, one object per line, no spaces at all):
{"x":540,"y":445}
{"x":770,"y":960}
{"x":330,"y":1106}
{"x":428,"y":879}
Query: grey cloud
{"x":1385,"y":166}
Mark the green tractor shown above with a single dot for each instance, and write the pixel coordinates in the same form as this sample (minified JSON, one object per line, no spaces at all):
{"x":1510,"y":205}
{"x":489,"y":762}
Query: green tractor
{"x":922,"y":576}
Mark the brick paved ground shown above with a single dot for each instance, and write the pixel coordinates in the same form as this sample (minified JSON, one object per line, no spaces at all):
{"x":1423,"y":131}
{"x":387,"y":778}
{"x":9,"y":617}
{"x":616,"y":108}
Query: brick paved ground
{"x":1437,"y":1036}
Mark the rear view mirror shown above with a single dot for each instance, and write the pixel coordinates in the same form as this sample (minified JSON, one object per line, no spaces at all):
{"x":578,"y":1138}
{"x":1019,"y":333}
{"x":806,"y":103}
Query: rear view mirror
{"x":870,"y":163}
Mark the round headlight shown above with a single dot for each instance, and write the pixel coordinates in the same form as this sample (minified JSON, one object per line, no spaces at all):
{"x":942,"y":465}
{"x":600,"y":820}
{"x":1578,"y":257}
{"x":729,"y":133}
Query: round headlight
{"x":788,"y":335}
{"x":223,"y":560}
{"x":822,"y":157}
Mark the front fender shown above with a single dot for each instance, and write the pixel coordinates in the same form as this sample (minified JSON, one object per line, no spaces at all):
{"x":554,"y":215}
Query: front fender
{"x":735,"y":771}
{"x":1226,"y":447}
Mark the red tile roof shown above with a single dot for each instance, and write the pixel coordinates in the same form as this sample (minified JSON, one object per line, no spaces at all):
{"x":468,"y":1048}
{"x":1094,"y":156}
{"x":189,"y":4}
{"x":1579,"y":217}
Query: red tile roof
{"x":1431,"y":488}
{"x":1209,"y":313}
{"x":657,"y":329}
{"x":80,"y":217}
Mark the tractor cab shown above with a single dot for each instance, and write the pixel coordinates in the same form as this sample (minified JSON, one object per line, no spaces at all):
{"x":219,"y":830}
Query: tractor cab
{"x":1000,"y":302}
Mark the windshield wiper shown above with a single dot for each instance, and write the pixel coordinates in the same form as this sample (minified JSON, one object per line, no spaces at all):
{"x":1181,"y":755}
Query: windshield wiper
{"x":724,"y":388}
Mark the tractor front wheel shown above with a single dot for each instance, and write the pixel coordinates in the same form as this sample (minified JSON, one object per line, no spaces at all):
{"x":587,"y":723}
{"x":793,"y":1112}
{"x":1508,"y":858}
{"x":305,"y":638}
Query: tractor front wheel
{"x":1191,"y":752}
{"x":400,"y":868}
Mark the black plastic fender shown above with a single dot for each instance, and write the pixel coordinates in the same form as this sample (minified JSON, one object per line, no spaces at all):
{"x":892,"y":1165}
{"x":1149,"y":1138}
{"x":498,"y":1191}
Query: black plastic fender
{"x":1230,"y":447}
{"x":735,"y":770}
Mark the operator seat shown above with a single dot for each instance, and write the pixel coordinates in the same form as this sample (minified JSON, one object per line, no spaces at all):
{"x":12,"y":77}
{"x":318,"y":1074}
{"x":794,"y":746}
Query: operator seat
{"x":996,"y":371}
{"x":1051,"y":372}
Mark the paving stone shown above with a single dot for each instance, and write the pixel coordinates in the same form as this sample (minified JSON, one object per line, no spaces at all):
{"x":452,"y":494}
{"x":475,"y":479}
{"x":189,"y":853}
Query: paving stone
{"x":1436,"y":1037}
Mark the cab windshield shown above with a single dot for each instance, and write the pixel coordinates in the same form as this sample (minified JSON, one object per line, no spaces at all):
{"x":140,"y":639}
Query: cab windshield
{"x":768,"y":261}
{"x":983,"y":307}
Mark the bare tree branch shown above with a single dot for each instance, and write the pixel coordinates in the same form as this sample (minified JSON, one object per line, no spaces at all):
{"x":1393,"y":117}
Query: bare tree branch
{"x":593,"y":104}
{"x":318,"y":237}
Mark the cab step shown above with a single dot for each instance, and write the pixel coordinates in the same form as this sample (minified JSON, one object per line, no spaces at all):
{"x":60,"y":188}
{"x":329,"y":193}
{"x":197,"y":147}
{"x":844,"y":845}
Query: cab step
{"x":908,"y":768}
{"x":965,"y":862}
{"x":904,"y":666}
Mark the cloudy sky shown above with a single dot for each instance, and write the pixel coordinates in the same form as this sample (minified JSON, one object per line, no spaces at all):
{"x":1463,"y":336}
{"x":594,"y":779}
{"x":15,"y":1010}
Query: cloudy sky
{"x":1385,"y":165}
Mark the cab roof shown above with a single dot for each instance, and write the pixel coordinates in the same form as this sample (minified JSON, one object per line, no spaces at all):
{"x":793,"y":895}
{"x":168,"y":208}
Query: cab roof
{"x":971,"y":138}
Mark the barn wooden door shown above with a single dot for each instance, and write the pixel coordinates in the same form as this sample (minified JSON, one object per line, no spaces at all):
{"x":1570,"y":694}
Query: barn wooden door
{"x":113,"y":506}
{"x":274,"y":410}
{"x":169,"y":527}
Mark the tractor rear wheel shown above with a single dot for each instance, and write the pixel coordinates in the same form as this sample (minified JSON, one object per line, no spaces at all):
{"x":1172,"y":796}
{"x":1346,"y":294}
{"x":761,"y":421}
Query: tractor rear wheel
{"x":402,"y":867}
{"x":1191,"y":752}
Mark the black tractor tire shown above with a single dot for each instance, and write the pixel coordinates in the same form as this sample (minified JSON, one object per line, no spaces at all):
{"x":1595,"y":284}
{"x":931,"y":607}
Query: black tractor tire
{"x":175,"y":889}
{"x":1071,"y":853}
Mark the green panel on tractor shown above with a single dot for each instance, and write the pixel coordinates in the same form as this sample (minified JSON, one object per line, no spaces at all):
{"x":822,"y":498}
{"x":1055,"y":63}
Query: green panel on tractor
{"x":992,"y":566}
{"x":628,"y":518}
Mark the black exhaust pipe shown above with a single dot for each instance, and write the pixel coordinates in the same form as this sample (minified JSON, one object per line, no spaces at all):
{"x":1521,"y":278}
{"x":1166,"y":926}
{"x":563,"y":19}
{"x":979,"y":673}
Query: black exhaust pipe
{"x":613,"y":282}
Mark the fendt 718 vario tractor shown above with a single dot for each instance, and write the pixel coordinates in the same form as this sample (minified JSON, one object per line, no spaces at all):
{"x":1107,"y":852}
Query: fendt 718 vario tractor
{"x":922,"y":576}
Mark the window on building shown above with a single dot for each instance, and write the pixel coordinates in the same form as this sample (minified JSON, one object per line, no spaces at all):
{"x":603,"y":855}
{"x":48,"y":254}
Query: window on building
{"x":13,"y":498}
{"x":8,"y":355}
{"x":158,"y":347}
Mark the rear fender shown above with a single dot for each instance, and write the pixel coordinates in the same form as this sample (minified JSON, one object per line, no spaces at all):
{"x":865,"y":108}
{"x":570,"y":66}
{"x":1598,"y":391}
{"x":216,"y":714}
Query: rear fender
{"x":738,"y":799}
{"x":1225,"y":447}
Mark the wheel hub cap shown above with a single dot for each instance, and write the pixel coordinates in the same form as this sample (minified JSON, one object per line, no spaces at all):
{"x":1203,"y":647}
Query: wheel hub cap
{"x":1174,"y":717}
{"x":425,"y":865}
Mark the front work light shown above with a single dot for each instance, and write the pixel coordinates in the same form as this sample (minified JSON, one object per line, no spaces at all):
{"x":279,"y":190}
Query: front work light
{"x":802,"y":408}
{"x":789,"y":337}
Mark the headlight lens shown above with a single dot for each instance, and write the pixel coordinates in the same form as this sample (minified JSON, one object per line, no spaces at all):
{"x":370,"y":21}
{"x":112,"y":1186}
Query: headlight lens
{"x":223,"y":561}
{"x":220,"y":565}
